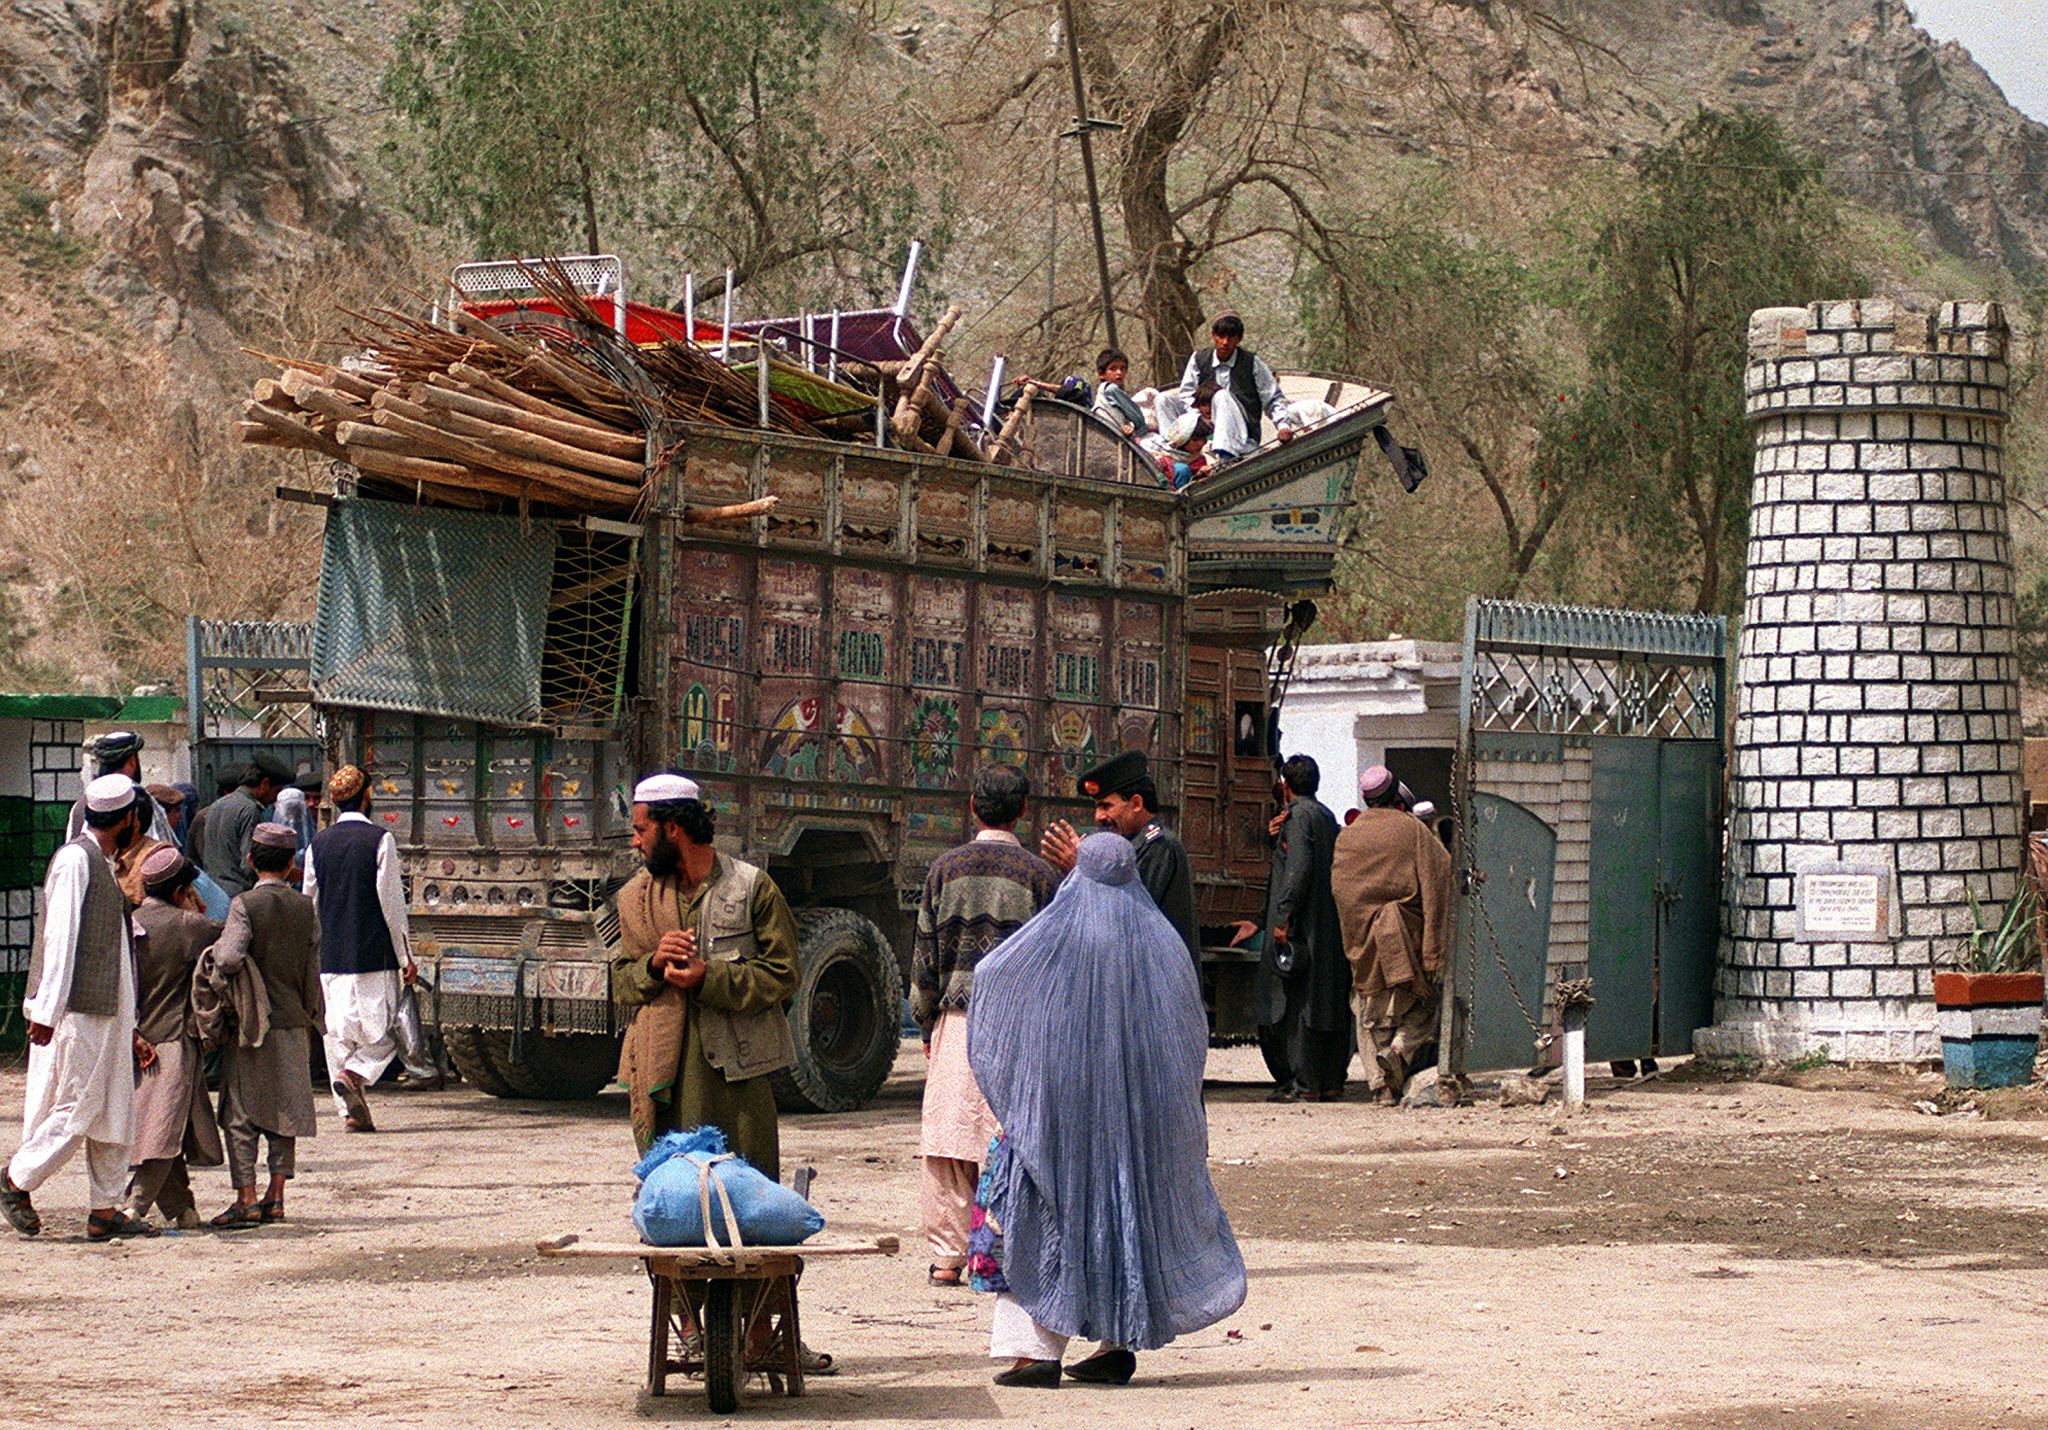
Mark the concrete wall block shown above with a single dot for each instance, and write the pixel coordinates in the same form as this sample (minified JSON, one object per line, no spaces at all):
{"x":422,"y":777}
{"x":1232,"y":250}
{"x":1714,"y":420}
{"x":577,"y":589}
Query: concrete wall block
{"x":1920,"y":858}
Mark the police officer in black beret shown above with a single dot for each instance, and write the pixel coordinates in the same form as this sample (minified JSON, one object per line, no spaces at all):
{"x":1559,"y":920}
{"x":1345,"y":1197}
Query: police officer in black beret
{"x":1127,"y":801}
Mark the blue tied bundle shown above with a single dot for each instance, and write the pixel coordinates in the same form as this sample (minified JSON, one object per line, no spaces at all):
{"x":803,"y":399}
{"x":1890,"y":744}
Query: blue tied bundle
{"x":669,"y":1209}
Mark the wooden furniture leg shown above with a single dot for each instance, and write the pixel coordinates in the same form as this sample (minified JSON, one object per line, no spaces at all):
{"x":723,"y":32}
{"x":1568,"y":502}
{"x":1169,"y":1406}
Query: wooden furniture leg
{"x":657,"y":1334}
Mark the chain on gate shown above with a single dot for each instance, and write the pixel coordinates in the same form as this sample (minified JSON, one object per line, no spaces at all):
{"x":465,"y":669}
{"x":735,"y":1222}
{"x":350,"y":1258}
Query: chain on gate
{"x":1474,"y":877}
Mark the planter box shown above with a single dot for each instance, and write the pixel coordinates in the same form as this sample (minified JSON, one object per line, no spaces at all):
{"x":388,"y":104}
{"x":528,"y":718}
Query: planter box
{"x":1990,"y":1027}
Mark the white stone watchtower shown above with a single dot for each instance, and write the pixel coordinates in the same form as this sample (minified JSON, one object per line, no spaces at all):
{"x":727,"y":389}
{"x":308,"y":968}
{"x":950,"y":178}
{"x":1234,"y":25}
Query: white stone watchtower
{"x":1875,"y":785}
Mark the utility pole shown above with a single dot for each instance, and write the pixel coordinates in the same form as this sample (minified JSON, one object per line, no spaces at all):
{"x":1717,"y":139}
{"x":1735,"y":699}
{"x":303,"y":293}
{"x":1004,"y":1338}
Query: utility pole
{"x":1084,"y":126}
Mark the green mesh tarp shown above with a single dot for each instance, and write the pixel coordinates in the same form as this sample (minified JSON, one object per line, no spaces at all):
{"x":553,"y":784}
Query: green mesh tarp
{"x":438,"y":612}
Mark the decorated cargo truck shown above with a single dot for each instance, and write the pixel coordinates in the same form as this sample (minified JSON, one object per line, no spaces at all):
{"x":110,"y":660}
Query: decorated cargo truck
{"x":831,"y":668}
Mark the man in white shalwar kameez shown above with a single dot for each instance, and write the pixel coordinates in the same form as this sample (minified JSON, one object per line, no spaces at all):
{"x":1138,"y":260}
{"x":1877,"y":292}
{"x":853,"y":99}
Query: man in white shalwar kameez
{"x":1246,"y":392}
{"x":353,"y":878}
{"x":80,"y":1003}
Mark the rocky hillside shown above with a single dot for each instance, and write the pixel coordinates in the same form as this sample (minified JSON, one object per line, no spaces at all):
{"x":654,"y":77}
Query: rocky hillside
{"x":1908,"y":125}
{"x":180,"y":178}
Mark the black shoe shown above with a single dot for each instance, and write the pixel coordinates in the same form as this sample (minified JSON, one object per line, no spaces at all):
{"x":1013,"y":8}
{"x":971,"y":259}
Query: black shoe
{"x":1112,"y":1367}
{"x":1283,"y":1094}
{"x":18,"y":1209}
{"x":1039,"y":1375}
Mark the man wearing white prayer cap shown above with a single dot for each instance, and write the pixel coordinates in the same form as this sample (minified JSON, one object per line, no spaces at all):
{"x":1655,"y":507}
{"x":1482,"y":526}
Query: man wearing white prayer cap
{"x":707,"y":962}
{"x":80,"y":1003}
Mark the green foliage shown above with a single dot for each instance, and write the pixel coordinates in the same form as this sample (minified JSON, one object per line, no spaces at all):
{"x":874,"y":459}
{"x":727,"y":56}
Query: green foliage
{"x":1462,"y":328}
{"x":1810,"y":1062}
{"x":534,"y":126}
{"x":2012,"y":946}
{"x":31,"y":235}
{"x":1724,"y":218}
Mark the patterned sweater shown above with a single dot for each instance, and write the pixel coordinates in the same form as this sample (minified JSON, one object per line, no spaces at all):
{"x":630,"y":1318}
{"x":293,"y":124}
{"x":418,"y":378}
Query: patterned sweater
{"x":975,"y":896}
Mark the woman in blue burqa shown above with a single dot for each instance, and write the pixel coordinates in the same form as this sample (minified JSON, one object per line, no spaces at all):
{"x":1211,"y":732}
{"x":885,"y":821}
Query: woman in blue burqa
{"x":1087,"y":1036}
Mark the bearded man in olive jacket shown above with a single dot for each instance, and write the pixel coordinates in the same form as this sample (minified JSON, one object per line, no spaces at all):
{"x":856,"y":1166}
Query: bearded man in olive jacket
{"x":708,"y":962}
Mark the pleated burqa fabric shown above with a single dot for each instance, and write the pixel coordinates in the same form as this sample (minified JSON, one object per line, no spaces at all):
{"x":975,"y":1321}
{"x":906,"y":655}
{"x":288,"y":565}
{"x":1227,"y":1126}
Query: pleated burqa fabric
{"x":1088,"y":1038}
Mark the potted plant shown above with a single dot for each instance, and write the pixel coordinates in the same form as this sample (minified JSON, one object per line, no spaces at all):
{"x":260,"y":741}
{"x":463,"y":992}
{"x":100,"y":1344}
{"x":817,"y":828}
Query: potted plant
{"x":1989,"y":1007}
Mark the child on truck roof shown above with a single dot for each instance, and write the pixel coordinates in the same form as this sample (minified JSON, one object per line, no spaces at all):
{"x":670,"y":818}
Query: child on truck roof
{"x":1178,"y":449}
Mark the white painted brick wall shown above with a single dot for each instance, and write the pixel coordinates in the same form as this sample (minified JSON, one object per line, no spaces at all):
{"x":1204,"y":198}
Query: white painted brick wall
{"x":1878,"y":695}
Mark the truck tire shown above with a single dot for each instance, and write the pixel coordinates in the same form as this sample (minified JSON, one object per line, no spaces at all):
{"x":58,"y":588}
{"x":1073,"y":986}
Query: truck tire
{"x":847,"y":1016}
{"x":565,"y":1068}
{"x":466,"y":1050}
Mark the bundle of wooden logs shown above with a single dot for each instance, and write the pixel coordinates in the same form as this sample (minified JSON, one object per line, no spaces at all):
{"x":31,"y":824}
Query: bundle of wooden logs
{"x":488,"y":413}
{"x":461,"y":435}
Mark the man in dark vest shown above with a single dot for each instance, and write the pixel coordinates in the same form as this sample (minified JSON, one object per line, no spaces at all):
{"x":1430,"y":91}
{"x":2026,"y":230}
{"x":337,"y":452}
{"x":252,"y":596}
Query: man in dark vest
{"x":353,"y":879}
{"x":80,"y":1004}
{"x":1247,"y":392}
{"x":1127,"y":802}
{"x":231,"y":821}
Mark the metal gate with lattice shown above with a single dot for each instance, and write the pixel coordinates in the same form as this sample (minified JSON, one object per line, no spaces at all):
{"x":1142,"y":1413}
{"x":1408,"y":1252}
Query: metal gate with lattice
{"x":248,"y":692}
{"x":1589,"y":797}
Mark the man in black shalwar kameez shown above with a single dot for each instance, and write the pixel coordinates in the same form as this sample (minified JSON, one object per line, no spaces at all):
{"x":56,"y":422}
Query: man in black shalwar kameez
{"x":1301,"y":995}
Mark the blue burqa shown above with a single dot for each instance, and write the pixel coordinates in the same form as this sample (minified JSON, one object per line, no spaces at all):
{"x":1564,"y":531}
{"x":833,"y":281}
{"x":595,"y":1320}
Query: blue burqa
{"x":1087,"y":1036}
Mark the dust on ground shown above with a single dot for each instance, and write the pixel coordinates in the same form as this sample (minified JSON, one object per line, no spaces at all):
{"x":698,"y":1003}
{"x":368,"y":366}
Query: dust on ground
{"x":1702,"y":1249}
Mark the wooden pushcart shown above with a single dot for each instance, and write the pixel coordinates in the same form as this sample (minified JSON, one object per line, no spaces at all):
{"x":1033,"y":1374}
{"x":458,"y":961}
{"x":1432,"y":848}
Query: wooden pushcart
{"x":739,"y":1297}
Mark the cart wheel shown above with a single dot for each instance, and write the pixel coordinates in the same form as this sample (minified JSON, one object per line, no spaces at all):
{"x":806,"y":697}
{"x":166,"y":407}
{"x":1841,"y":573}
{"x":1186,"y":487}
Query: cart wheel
{"x":724,"y":1360}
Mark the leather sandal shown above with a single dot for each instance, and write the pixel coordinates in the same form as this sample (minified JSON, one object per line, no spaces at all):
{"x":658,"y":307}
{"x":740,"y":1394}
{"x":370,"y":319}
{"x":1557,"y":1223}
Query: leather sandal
{"x":17,"y":1208}
{"x":944,"y":1275}
{"x":1038,"y":1375}
{"x":115,"y":1227}
{"x":357,"y":1118}
{"x":242,"y":1216}
{"x":268,"y":1212}
{"x":1110,"y":1367}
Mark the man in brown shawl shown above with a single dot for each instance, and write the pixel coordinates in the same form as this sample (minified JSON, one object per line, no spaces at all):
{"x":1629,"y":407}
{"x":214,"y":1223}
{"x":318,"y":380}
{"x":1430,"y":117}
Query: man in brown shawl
{"x":1392,"y":881}
{"x":708,"y":962}
{"x":268,"y":1089}
{"x":174,"y":1123}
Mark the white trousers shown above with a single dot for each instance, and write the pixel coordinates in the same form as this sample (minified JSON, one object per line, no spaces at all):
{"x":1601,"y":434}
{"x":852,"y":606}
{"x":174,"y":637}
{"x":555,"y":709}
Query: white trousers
{"x":51,"y":1144}
{"x":1013,"y":1335}
{"x":361,"y":1033}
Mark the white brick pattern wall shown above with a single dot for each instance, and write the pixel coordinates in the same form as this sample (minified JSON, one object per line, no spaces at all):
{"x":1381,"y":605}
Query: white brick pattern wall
{"x":1878,"y":699}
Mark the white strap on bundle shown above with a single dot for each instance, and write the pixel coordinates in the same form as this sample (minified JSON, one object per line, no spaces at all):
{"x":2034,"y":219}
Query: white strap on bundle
{"x":705,"y":1184}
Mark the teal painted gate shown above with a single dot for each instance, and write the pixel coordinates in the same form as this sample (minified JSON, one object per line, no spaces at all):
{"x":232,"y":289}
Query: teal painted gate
{"x":1590,"y":766}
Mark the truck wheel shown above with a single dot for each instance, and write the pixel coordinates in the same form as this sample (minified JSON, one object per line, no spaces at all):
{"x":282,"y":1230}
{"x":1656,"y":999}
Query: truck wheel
{"x":466,"y":1050}
{"x":847,"y":1016}
{"x":563,"y":1068}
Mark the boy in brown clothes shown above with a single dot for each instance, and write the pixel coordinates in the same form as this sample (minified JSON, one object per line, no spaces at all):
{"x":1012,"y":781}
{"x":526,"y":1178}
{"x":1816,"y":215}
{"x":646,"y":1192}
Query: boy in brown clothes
{"x":269,"y":1089}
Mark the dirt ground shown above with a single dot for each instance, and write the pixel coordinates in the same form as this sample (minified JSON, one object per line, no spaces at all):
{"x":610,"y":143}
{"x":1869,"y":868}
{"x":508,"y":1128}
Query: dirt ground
{"x":1696,"y":1250}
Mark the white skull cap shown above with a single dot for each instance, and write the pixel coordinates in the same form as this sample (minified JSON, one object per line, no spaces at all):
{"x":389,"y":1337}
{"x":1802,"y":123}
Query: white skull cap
{"x":110,"y":794}
{"x":665,"y":789}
